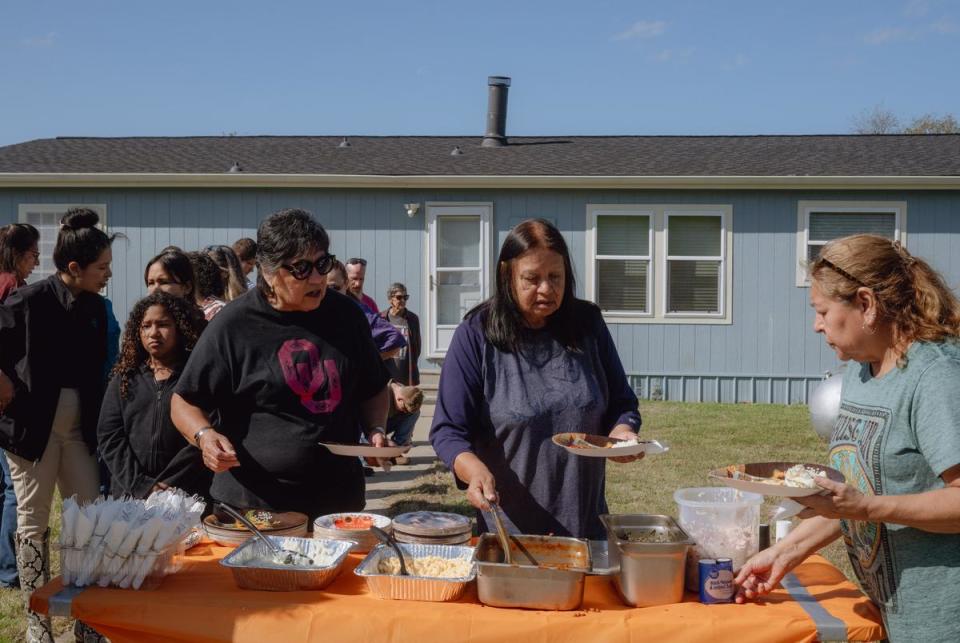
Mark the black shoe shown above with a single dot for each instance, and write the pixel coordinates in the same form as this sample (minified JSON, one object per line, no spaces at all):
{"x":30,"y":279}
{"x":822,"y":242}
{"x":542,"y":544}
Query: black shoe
{"x":368,"y":472}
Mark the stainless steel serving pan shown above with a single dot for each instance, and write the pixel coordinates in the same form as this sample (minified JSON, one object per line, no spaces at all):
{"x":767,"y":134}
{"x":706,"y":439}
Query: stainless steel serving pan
{"x":651,"y":551}
{"x":547,"y":572}
{"x":249,"y":574}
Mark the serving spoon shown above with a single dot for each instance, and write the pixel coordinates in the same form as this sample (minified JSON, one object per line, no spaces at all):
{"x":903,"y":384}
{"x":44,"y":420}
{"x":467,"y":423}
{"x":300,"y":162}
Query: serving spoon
{"x":290,"y":556}
{"x":388,"y":540}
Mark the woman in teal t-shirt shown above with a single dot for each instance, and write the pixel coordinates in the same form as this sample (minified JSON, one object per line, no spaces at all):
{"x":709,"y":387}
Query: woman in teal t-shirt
{"x":896,"y":440}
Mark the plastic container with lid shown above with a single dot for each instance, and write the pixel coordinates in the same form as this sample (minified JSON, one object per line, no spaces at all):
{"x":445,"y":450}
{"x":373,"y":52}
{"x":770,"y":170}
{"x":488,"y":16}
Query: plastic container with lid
{"x":724,"y":523}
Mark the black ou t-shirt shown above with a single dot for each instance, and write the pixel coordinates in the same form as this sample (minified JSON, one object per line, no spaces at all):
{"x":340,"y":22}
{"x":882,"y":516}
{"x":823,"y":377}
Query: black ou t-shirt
{"x":283,"y":382}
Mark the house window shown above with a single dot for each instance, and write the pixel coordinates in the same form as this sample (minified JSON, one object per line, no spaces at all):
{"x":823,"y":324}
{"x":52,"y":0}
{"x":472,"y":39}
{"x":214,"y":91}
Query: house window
{"x":659,"y":264}
{"x":819,"y":222}
{"x":624,"y":250}
{"x":694,"y":263}
{"x":46,"y":219}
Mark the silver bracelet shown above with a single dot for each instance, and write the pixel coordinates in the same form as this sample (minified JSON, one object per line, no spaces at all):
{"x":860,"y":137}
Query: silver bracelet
{"x":196,"y":436}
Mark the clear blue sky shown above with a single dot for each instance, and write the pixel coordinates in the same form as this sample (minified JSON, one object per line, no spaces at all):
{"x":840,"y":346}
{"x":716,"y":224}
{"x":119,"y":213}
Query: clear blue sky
{"x":126,"y":68}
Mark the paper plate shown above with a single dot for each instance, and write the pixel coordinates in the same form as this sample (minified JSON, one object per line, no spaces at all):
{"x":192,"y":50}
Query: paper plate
{"x":365,"y":450}
{"x":279,"y":521}
{"x":326,"y":527}
{"x":601,"y":446}
{"x":766,"y":470}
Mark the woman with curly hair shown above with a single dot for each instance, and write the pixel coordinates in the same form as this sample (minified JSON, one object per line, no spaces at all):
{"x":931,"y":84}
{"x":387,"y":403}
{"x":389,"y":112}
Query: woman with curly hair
{"x":137,"y":440}
{"x":210,"y":287}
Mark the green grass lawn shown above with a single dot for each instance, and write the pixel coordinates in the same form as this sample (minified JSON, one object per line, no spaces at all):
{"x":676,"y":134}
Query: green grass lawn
{"x":701,"y":437}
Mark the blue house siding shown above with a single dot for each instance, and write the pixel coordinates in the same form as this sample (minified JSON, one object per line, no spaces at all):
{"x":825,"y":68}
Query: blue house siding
{"x":768,"y":354}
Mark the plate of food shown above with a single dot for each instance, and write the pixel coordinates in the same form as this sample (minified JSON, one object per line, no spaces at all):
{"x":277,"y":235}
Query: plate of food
{"x":783,"y":479}
{"x":263,"y":519}
{"x":602,"y":446}
{"x":365,"y":450}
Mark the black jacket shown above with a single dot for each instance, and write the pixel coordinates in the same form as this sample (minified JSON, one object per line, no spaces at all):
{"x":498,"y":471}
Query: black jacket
{"x":45,"y":333}
{"x":413,"y":322}
{"x":139,"y":443}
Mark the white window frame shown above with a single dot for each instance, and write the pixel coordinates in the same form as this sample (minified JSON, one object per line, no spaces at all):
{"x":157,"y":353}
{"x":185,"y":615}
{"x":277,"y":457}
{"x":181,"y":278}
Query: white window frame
{"x":592,"y":272}
{"x":721,"y":295}
{"x":805,"y":208}
{"x":24,"y":209}
{"x":657,"y":275}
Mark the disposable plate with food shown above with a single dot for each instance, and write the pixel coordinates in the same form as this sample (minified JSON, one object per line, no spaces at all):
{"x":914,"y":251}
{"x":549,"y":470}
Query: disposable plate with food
{"x":602,"y":446}
{"x":263,"y":519}
{"x":782,"y":479}
{"x":365,"y":450}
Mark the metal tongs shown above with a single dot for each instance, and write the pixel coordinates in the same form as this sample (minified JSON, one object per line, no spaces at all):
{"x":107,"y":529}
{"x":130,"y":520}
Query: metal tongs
{"x":388,"y":540}
{"x":291,"y":557}
{"x":501,"y":532}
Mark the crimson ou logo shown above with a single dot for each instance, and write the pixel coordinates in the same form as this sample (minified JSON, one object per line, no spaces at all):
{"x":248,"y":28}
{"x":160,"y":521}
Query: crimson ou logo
{"x":306,"y":374}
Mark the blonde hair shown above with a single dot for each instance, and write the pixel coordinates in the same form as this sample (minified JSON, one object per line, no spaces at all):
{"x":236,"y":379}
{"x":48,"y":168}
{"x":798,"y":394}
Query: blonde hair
{"x":911,"y":295}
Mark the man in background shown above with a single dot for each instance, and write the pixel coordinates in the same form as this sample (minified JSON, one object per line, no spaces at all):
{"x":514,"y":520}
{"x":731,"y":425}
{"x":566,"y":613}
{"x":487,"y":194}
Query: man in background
{"x":356,"y":274}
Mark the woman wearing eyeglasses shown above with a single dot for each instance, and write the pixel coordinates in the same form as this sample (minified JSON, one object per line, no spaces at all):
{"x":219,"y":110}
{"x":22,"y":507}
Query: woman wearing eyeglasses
{"x":18,"y":257}
{"x":896,"y":440}
{"x":285,"y":367}
{"x":403,"y":368}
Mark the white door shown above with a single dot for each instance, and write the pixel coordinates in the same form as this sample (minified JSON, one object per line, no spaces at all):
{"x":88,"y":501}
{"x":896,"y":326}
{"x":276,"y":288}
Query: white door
{"x":458,"y":268}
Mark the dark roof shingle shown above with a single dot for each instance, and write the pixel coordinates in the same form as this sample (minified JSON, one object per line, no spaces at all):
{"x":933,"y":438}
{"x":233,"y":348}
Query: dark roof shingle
{"x":837,"y":155}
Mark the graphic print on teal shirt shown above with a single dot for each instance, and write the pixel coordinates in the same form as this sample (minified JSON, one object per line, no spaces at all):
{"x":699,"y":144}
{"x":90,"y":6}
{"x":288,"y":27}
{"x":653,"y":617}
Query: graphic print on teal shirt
{"x":856,"y":448}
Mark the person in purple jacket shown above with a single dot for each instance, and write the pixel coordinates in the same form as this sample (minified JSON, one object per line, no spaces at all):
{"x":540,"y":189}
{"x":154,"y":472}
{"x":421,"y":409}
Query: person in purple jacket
{"x":530,"y":362}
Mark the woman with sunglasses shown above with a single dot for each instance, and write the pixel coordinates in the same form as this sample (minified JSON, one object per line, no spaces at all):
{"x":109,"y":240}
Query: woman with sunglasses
{"x":404,"y":373}
{"x":284,"y":368}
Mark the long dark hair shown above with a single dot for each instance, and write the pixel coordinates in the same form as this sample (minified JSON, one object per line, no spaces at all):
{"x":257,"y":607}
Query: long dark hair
{"x":80,"y":239}
{"x":16,"y":240}
{"x":187,"y":317}
{"x":208,"y":276}
{"x":175,"y":263}
{"x":503,"y":323}
{"x":235,"y":282}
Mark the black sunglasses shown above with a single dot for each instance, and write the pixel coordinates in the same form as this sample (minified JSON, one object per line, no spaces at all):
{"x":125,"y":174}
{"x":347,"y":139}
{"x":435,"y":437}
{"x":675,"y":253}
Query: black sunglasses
{"x":403,"y":297}
{"x":302,"y":269}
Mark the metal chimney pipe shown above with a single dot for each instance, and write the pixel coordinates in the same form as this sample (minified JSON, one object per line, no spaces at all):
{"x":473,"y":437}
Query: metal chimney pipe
{"x":497,"y":88}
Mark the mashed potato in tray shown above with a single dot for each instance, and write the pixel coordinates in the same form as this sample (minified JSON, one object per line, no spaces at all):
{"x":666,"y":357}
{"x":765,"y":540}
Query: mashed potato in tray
{"x":427,"y":566}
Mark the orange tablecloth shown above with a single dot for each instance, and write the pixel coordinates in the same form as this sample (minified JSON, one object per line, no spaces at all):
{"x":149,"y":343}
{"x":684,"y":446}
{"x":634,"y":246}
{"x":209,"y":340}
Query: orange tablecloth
{"x":201,"y":603}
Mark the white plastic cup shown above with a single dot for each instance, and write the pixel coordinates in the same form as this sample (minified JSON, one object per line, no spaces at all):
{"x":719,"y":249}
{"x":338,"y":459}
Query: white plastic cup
{"x":782,"y":530}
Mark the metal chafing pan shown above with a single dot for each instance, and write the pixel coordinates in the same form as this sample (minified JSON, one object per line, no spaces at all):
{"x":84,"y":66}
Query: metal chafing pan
{"x":651,"y":551}
{"x":415,"y":588}
{"x":249,"y":574}
{"x":547,"y":572}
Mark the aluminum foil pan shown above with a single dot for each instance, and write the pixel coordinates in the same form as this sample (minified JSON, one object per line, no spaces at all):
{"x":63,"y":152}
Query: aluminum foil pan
{"x":248,"y":574}
{"x":416,"y":588}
